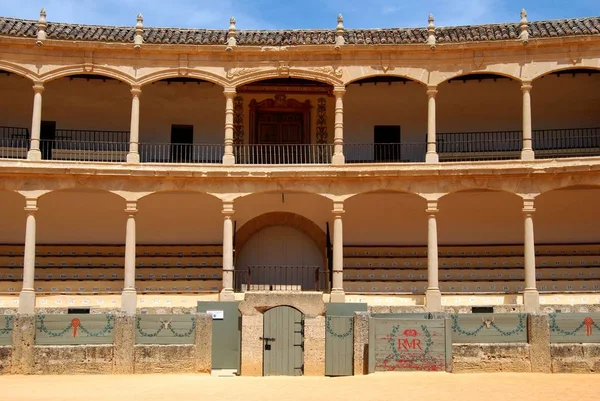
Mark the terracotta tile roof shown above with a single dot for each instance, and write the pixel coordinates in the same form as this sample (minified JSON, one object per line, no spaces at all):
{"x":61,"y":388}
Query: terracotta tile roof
{"x":491,"y":32}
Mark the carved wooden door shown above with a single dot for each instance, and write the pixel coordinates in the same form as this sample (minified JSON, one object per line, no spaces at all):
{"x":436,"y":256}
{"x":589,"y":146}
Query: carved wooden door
{"x":276,"y":128}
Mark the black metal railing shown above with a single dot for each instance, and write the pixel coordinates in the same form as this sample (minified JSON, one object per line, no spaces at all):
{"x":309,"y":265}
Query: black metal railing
{"x":92,"y":151}
{"x":14,"y":142}
{"x":180,"y":153}
{"x":284,"y":154}
{"x":463,"y":146}
{"x":281,"y":278}
{"x":409,"y":152}
{"x":570,"y":142}
{"x":79,"y":135}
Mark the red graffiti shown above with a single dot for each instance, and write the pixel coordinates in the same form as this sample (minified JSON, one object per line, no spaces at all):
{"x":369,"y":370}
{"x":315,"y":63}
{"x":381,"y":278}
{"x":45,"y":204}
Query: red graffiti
{"x":588,"y":321}
{"x":406,"y":344}
{"x":75,"y":323}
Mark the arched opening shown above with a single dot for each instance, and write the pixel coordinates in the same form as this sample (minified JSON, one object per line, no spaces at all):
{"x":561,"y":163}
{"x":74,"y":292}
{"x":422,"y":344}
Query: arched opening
{"x":283,"y":336}
{"x":385,"y":243}
{"x":85,"y":117}
{"x":566,"y":113}
{"x":480,"y":237}
{"x":288,"y":121}
{"x":15,"y":120}
{"x":180,"y":237}
{"x":567,"y":241}
{"x":12,"y":239}
{"x":479,"y":117}
{"x":80,"y":242}
{"x":385,"y":120}
{"x":181,"y":121}
{"x":281,"y":241}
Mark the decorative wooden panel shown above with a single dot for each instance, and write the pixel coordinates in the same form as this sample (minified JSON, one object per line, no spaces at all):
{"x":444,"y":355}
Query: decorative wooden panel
{"x":283,"y":342}
{"x":489,"y":328}
{"x":574,"y":327}
{"x":6,"y":329}
{"x":409,"y":345}
{"x":339,"y":345}
{"x":74,"y":329}
{"x":165,"y":329}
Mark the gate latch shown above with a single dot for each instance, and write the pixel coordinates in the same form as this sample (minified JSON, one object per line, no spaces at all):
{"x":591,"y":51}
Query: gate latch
{"x":266,"y":340}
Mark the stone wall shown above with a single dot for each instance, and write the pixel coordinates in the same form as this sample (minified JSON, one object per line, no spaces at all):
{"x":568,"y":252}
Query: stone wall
{"x":73,"y":359}
{"x":5,"y":359}
{"x":491,"y":358}
{"x":575,"y":358}
{"x":165,"y":359}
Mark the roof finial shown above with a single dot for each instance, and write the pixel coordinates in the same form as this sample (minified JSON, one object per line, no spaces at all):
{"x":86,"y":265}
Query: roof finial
{"x":431,"y":32}
{"x":231,"y":34}
{"x":524,"y":25}
{"x":41,"y":25}
{"x":138,"y":39}
{"x":339,"y":32}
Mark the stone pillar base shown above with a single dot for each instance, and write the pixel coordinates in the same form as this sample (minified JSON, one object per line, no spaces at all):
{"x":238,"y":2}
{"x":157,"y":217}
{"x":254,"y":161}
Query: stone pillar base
{"x":527,"y":155}
{"x":23,"y":341}
{"x":361,"y":343}
{"x":433,"y":300}
{"x":27,"y":302}
{"x":338,"y":296}
{"x":129,"y":302}
{"x":124,"y":344}
{"x":228,"y":160}
{"x":203,"y":343}
{"x":34,"y":154}
{"x":432,"y":157}
{"x":226,"y":295}
{"x":538,"y":331}
{"x":531,"y":300}
{"x":133,"y":158}
{"x":338,"y":159}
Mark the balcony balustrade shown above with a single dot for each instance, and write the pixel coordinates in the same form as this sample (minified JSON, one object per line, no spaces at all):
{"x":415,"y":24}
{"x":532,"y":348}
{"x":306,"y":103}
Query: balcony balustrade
{"x":113,"y":146}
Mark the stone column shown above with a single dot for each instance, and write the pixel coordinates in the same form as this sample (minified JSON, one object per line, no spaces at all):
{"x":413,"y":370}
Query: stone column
{"x":337,"y":287}
{"x":433,"y":295}
{"x":129,"y":295}
{"x":227,"y":293}
{"x":431,"y":156}
{"x":36,"y":123}
{"x":338,"y":127}
{"x":27,"y":295}
{"x":527,"y":151}
{"x":134,"y":133}
{"x":228,"y":156}
{"x":531,"y":296}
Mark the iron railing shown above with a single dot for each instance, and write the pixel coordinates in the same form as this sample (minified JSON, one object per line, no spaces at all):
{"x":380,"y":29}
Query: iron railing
{"x":66,"y":150}
{"x":92,"y":136}
{"x":14,"y":142}
{"x":463,"y":146}
{"x":281,"y":278}
{"x":385,"y":152}
{"x":180,"y":153}
{"x":284,"y":154}
{"x":570,"y":142}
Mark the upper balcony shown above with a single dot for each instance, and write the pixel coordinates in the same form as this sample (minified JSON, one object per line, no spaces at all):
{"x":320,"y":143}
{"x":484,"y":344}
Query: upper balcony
{"x":381,"y":120}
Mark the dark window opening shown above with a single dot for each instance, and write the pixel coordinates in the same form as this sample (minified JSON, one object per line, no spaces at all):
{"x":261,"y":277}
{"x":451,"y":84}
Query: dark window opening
{"x":73,"y":311}
{"x":386,"y":143}
{"x":482,"y":309}
{"x":182,"y":138}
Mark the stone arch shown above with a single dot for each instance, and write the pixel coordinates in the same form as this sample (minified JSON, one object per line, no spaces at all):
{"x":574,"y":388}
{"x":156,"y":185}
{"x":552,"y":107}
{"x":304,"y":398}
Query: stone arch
{"x":175,"y":190}
{"x":81,"y":69}
{"x":567,"y":68}
{"x":481,"y":188}
{"x":271,"y":219}
{"x":176,"y":73}
{"x":390,"y":74}
{"x":75,"y":187}
{"x":386,"y":190}
{"x":477,"y":72}
{"x":328,"y":75}
{"x":569,"y":186}
{"x":17,"y":69}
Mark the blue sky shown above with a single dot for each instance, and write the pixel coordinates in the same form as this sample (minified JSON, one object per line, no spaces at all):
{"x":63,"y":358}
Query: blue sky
{"x":290,"y":14}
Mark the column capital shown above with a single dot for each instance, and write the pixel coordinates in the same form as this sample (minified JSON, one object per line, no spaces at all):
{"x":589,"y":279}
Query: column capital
{"x":338,"y":208}
{"x":38,"y":87}
{"x":526,"y":86}
{"x":136,"y":90}
{"x":528,"y":206}
{"x":131,"y":207}
{"x":229,"y":91}
{"x":432,"y":206}
{"x":228,"y":208}
{"x":432,"y":90}
{"x":31,"y":205}
{"x":339,"y":91}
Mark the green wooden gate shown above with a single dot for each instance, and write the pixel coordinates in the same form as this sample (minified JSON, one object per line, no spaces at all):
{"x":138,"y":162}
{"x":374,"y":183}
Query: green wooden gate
{"x":339,"y":338}
{"x":410,"y":345}
{"x":226,"y":334}
{"x":283,"y":342}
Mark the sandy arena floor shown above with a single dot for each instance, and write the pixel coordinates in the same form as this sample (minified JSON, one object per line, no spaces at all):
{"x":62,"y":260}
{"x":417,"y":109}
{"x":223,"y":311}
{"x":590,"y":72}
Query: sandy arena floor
{"x":383,"y":386}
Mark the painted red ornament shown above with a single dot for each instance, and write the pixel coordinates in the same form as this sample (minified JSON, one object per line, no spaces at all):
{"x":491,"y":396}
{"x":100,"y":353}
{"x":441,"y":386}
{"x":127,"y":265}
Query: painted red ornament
{"x":75,"y":323}
{"x":588,"y":321}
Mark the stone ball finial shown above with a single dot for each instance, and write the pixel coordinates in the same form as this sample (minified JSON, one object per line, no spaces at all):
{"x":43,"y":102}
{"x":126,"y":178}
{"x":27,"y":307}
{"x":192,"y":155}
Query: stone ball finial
{"x":430,"y":19}
{"x":140,"y":19}
{"x":523,"y":13}
{"x":41,"y":26}
{"x":524,"y":26}
{"x":138,"y":39}
{"x":431,"y":32}
{"x":339,"y":32}
{"x":43,"y":14}
{"x":231,"y":40}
